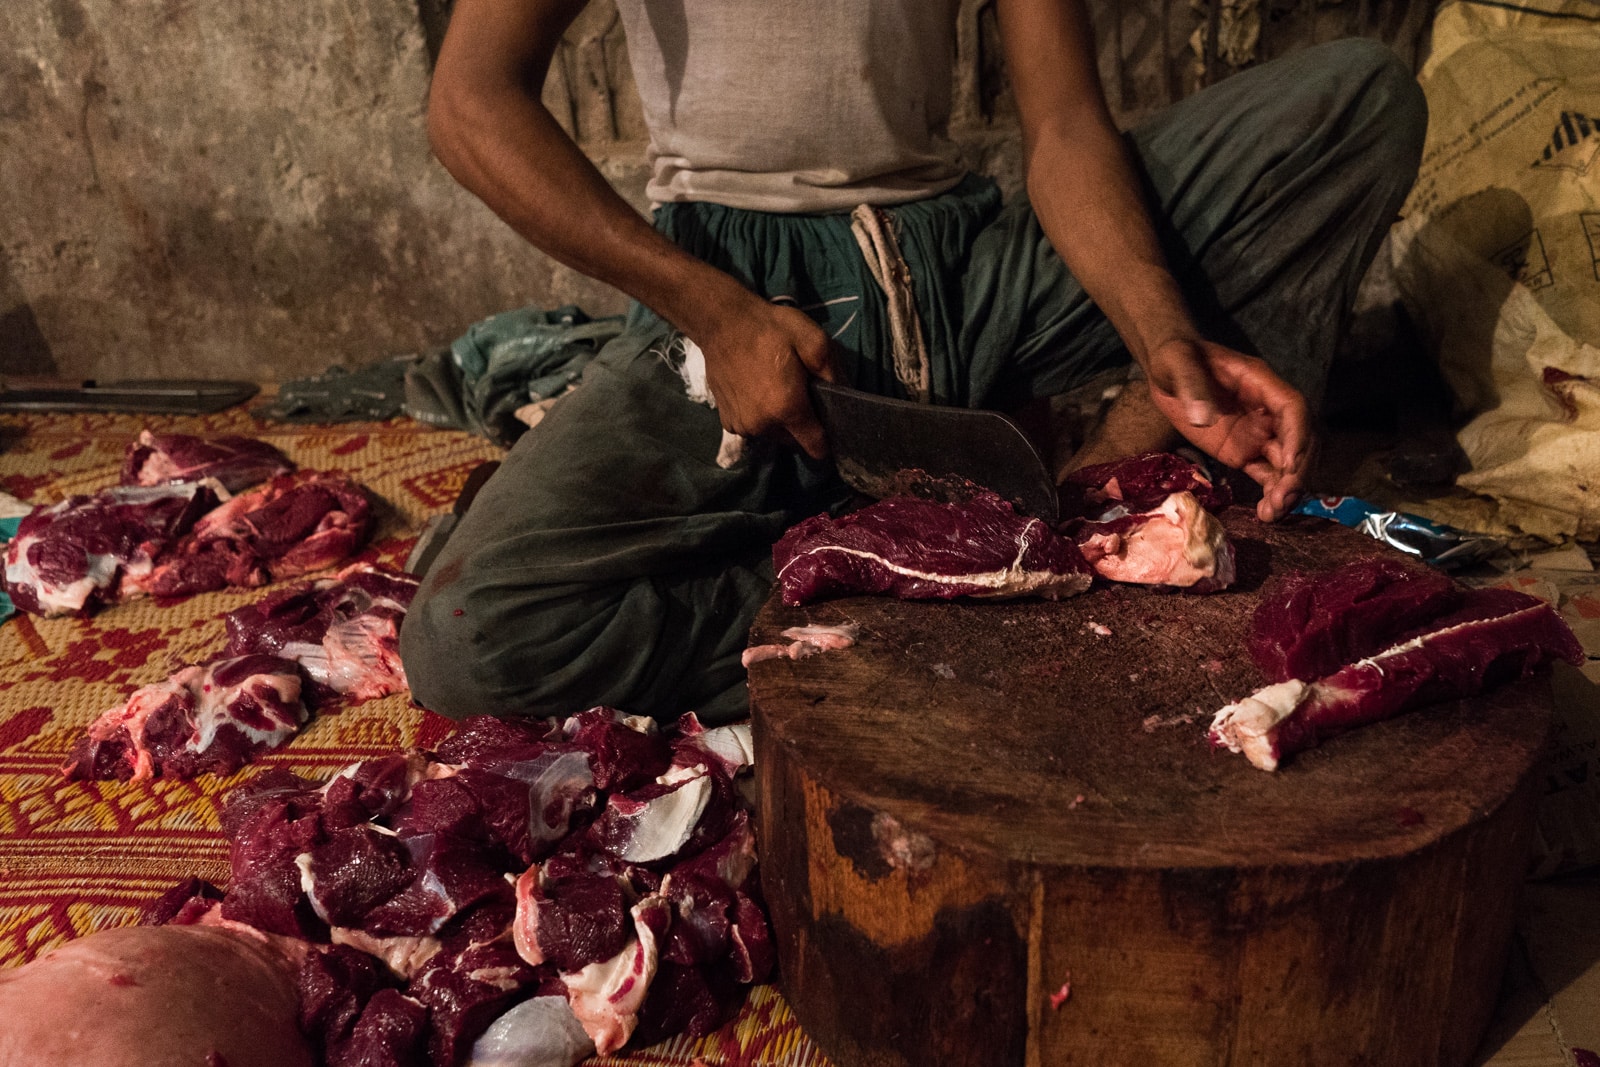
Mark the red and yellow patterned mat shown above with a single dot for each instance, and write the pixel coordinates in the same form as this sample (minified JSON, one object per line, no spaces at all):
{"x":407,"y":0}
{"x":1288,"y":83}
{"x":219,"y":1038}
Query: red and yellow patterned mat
{"x":82,"y":856}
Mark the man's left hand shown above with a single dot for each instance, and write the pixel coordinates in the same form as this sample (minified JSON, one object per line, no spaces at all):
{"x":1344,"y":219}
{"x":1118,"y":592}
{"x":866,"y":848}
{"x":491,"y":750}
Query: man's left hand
{"x":1232,"y":406}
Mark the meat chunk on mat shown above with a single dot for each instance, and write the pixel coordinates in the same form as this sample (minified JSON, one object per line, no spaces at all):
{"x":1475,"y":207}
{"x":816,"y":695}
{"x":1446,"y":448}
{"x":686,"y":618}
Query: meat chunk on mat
{"x":918,"y":549}
{"x":291,"y":526}
{"x":233,"y":461}
{"x":344,"y":631}
{"x":209,"y":718}
{"x":88,"y":551}
{"x":138,"y":996}
{"x":1494,"y":636}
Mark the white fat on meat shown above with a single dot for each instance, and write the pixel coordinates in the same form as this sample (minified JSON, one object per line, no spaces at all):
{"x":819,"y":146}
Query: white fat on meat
{"x":661,"y":825}
{"x":272,"y":692}
{"x":639,"y":724}
{"x":557,"y":782}
{"x":606,"y":996}
{"x":732,"y":747}
{"x":1179,"y":543}
{"x":1247,"y":726}
{"x":525,"y":924}
{"x":133,"y":716}
{"x":404,"y":955}
{"x":542,"y":1032}
{"x":360,"y":657}
{"x":71,"y":597}
{"x":804,"y":641}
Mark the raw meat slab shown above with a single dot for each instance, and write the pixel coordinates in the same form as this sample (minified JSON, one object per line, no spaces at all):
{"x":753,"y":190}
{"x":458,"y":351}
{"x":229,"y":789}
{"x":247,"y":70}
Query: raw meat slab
{"x":990,"y":803}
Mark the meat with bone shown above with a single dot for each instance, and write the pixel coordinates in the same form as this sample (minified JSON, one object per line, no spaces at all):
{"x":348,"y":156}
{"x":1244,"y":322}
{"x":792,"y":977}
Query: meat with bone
{"x":90,"y":550}
{"x":234,"y":461}
{"x":1494,"y":636}
{"x":1309,"y":627}
{"x":919,"y":549}
{"x":288,"y":527}
{"x":1178,"y":543}
{"x":344,"y":631}
{"x":1107,"y":490}
{"x":606,"y":996}
{"x":140,"y":995}
{"x":729,"y":747}
{"x":209,"y":718}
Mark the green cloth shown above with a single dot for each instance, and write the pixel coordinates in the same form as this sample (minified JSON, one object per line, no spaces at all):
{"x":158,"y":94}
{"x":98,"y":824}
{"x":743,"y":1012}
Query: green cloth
{"x":8,"y":530}
{"x":501,"y":364}
{"x":611,"y":560}
{"x":365,"y":394}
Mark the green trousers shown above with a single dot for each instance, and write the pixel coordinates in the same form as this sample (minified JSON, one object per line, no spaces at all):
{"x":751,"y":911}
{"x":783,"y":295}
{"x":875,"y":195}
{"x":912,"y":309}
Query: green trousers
{"x":610,"y":560}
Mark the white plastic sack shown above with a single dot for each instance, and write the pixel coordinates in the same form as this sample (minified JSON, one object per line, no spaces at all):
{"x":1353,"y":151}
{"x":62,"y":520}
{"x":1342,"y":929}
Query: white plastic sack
{"x":1499,"y":255}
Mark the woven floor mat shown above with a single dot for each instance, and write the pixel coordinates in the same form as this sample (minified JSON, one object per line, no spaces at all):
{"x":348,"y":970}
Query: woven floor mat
{"x":82,"y":856}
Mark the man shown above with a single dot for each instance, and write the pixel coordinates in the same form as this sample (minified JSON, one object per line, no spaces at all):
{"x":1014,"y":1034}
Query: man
{"x":611,"y":559}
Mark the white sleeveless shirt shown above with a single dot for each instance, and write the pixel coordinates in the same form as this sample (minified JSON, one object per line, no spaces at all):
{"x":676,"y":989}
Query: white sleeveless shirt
{"x":795,"y":105}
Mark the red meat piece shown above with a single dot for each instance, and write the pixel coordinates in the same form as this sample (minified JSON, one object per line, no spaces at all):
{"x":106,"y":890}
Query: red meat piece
{"x":233,"y":461}
{"x":1309,"y":627}
{"x":210,"y":718}
{"x":1495,"y":635}
{"x":286,"y":528}
{"x":918,"y":549}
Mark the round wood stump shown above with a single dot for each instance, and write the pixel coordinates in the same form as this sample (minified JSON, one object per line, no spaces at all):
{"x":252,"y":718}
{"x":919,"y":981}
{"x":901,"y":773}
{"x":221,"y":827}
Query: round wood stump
{"x":995,"y":834}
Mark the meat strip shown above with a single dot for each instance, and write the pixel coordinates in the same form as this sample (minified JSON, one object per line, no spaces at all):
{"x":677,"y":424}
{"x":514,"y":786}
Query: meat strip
{"x":1495,"y":636}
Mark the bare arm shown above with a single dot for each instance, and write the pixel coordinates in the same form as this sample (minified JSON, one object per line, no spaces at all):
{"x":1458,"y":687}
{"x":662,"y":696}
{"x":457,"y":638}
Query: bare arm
{"x":490,"y":130}
{"x":1087,"y":197}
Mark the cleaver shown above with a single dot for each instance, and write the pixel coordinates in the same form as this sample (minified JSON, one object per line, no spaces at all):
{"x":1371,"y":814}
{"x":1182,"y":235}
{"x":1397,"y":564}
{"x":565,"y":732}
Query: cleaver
{"x":876,"y":440}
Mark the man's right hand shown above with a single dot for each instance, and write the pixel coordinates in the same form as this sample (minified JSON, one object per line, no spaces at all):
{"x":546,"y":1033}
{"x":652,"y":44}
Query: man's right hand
{"x":759,"y":359}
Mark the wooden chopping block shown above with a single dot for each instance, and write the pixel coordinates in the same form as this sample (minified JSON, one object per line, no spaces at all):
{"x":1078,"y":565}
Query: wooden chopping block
{"x":994,"y":834}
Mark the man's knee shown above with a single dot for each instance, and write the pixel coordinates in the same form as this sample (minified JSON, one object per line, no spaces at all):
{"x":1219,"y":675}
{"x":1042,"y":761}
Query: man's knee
{"x":442,"y":662}
{"x":1387,"y":97}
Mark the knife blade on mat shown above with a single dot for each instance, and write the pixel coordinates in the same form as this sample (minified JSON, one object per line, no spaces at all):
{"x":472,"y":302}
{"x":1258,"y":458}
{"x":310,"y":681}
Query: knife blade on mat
{"x":875,"y":439}
{"x":175,"y":396}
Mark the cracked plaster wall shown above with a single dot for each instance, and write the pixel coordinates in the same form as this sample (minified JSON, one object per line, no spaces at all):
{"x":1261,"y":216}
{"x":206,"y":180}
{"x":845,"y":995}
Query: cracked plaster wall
{"x":245,"y":190}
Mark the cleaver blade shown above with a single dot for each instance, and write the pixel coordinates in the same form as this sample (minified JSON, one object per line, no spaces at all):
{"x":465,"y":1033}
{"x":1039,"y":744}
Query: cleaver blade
{"x":875,"y":439}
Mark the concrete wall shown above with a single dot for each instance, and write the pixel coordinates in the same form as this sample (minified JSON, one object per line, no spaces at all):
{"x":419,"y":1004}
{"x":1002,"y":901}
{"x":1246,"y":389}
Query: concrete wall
{"x":245,"y":189}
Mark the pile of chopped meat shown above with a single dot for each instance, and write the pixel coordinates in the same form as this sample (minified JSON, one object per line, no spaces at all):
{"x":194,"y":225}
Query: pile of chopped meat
{"x":156,"y":535}
{"x":1144,"y":520}
{"x":291,"y":526}
{"x":334,"y":636}
{"x":529,"y":892}
{"x":1367,"y":641}
{"x":212,"y":717}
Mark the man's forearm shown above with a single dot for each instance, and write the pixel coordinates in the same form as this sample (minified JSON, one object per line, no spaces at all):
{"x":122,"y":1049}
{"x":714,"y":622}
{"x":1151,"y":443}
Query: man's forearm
{"x":1080,"y":180}
{"x":1087,"y":198}
{"x":498,"y":140}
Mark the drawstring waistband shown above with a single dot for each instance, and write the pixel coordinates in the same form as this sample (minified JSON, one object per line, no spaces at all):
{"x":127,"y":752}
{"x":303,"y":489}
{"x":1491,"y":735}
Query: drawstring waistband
{"x":874,"y":232}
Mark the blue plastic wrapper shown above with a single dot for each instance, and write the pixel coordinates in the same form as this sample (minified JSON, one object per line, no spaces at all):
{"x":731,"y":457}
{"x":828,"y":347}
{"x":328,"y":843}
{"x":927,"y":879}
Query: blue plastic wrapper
{"x":1442,"y":546}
